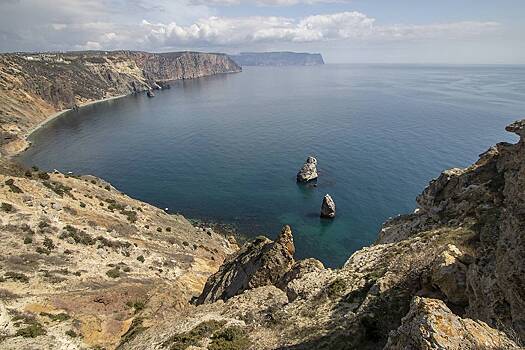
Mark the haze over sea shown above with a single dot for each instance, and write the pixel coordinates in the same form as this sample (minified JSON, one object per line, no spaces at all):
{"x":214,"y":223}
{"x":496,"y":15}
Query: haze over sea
{"x":227,"y":148}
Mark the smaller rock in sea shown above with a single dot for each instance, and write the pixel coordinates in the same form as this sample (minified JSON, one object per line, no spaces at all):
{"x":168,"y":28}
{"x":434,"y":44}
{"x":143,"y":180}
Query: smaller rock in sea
{"x":328,"y":207}
{"x":309,"y":170}
{"x":150,"y":93}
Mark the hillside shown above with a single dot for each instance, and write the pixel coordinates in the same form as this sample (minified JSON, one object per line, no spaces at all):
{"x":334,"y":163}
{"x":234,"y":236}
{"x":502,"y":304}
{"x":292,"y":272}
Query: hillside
{"x":81,"y":262}
{"x":35,"y":86}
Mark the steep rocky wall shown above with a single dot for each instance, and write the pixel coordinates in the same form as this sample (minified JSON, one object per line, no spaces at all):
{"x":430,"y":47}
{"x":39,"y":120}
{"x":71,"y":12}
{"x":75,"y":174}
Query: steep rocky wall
{"x":34,"y":86}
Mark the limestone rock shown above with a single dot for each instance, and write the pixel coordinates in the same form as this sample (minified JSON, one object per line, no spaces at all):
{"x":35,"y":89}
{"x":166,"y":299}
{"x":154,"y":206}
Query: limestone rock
{"x":449,"y":274}
{"x":309,"y":170}
{"x":258,"y":263}
{"x":328,"y":207}
{"x":430,"y":325}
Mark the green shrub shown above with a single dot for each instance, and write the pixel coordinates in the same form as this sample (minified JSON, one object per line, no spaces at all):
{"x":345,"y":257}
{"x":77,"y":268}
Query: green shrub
{"x":159,"y":229}
{"x":28,"y":174}
{"x":82,"y":204}
{"x":31,"y":331}
{"x":140,"y":258}
{"x":56,"y":317}
{"x":78,"y":236}
{"x":58,"y":188}
{"x":34,"y":168}
{"x":16,"y":276}
{"x":28,"y":240}
{"x":113,"y":273}
{"x":336,"y":288}
{"x":137,"y":305}
{"x":184,"y":340}
{"x":231,"y":338}
{"x":48,"y":243}
{"x":71,"y":333}
{"x":43,"y":175}
{"x":12,"y":187}
{"x":8,"y":208}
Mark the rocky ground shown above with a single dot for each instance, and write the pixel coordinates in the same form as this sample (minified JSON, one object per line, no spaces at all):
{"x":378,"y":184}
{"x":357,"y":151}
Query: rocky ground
{"x":449,"y":276}
{"x":82,"y":263}
{"x":35,"y":86}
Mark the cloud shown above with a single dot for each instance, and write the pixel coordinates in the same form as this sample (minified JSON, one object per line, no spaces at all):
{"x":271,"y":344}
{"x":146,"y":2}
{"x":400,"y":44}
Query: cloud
{"x":185,"y":24}
{"x":354,"y":25}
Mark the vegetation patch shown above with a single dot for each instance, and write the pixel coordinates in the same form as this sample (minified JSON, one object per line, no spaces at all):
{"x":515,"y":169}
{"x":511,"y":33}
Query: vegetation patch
{"x":231,"y":338}
{"x":31,"y":331}
{"x":12,"y":187}
{"x":58,"y":188}
{"x":135,"y":329}
{"x":113,"y":273}
{"x":140,"y":258}
{"x":56,"y":317}
{"x":6,"y":207}
{"x":43,"y":175}
{"x":71,"y":333}
{"x":16,"y":276}
{"x":136,"y":305}
{"x":336,"y":288}
{"x":184,"y":340}
{"x":78,"y":236}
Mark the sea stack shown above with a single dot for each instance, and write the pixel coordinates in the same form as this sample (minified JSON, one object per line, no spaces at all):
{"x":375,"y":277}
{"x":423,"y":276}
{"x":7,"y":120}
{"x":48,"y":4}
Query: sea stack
{"x":309,"y":170}
{"x":328,"y":207}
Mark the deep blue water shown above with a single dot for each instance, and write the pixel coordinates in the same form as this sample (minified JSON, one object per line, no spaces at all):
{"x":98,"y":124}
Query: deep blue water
{"x":227,"y":148}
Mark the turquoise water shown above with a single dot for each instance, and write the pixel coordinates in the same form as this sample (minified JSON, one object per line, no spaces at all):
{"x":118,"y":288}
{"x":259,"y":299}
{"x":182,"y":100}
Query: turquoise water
{"x":227,"y":148}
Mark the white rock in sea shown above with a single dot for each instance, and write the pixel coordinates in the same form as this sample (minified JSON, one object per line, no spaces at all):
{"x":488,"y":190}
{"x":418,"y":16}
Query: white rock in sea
{"x":328,"y":207}
{"x":309,"y":170}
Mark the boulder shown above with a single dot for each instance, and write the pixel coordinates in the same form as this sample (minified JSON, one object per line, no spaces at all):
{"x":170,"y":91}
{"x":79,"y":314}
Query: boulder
{"x":328,"y":207}
{"x":431,"y":325}
{"x":449,"y":275}
{"x":258,"y":263}
{"x":309,"y":170}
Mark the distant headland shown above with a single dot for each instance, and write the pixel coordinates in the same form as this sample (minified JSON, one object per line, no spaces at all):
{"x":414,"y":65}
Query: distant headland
{"x":284,"y":58}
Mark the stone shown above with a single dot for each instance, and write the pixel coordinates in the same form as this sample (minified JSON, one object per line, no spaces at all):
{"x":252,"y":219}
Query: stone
{"x":309,"y":170}
{"x":449,"y":275}
{"x":328,"y":207}
{"x":431,"y":325}
{"x":258,"y":263}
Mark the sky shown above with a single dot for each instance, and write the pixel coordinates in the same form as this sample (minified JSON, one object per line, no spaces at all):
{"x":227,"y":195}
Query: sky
{"x":353,"y":31}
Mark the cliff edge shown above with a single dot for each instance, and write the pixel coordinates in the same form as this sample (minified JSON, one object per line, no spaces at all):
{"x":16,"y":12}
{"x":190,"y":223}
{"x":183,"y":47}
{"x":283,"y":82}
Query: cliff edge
{"x":34,"y":86}
{"x":449,"y":276}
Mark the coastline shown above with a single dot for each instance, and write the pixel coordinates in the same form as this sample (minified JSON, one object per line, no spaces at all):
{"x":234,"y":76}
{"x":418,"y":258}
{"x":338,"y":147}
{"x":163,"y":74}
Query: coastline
{"x":59,"y":113}
{"x":26,"y":135}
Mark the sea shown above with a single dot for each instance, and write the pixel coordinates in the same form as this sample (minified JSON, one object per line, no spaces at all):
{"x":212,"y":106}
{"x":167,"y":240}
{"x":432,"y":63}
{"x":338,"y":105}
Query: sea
{"x":226,"y":149}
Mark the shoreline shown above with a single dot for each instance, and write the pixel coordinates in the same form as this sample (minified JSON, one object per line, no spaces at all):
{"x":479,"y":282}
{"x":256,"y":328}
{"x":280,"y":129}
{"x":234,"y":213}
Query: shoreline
{"x":26,"y":135}
{"x":59,"y":113}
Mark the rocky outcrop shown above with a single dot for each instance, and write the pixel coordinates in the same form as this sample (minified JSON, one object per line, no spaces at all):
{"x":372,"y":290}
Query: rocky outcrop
{"x":328,"y":207}
{"x":449,"y":276}
{"x":259,"y":263}
{"x":309,"y":170}
{"x":430,"y":325}
{"x":35,"y":86}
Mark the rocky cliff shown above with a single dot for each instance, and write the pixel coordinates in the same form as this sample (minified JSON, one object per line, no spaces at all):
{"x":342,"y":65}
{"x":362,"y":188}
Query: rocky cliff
{"x":35,"y":86}
{"x":278,"y":59}
{"x":449,"y":276}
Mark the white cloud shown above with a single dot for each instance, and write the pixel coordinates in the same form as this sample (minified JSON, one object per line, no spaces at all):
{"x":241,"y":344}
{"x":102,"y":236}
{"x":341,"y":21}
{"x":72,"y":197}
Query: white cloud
{"x":223,"y":31}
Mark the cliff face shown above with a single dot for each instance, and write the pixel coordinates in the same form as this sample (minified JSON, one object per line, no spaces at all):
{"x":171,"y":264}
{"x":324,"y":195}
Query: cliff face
{"x":34,"y":86}
{"x":278,"y":59}
{"x":449,"y":276}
